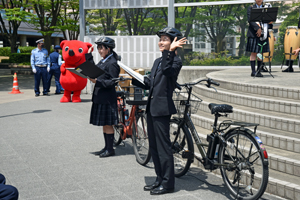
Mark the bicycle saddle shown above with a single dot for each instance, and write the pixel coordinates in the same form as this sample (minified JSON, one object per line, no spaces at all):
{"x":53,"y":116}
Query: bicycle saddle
{"x":120,"y":93}
{"x":220,"y":108}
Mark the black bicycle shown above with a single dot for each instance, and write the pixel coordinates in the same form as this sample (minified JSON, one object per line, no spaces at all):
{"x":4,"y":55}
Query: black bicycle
{"x":231,"y":147}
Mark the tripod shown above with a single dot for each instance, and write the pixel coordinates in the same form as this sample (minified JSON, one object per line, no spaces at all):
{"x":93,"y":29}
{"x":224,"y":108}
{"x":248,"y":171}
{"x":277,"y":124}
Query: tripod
{"x":262,"y":61}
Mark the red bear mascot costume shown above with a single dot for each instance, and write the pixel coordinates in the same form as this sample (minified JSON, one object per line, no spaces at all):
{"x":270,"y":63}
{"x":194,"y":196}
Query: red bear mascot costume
{"x":73,"y":53}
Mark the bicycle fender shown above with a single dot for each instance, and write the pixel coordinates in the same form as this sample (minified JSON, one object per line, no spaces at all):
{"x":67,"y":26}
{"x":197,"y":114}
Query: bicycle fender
{"x":258,"y":141}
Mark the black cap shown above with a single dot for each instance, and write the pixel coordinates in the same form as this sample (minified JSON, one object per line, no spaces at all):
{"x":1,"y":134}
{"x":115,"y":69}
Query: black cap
{"x":106,"y":41}
{"x":171,"y":32}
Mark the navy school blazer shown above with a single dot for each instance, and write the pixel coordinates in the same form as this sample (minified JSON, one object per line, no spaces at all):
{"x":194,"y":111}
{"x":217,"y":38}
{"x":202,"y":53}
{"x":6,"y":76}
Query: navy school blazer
{"x":161,"y":84}
{"x":104,"y":90}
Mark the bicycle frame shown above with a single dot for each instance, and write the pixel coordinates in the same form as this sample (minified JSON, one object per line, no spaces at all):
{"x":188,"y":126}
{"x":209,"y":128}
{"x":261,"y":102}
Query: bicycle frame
{"x":127,"y":129}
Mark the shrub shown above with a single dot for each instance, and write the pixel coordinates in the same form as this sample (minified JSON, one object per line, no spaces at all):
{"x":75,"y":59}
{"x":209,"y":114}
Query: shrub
{"x":20,"y":58}
{"x":5,"y":61}
{"x":26,"y":49}
{"x":5,"y":51}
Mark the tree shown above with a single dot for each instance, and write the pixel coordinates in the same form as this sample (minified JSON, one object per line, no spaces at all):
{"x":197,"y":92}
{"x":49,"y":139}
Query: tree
{"x":218,"y":22}
{"x":14,"y":14}
{"x":68,"y":19}
{"x":104,"y":21}
{"x":46,"y":17}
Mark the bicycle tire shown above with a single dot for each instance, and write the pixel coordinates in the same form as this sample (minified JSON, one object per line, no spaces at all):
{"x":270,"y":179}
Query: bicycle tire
{"x":247,"y":179}
{"x":182,"y":144}
{"x":118,"y":133}
{"x":140,"y":139}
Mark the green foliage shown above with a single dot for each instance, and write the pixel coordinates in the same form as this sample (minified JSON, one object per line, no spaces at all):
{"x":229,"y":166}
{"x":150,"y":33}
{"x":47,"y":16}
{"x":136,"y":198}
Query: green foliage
{"x":20,"y":58}
{"x":214,"y":59}
{"x":5,"y":51}
{"x":26,"y":49}
{"x":5,"y":61}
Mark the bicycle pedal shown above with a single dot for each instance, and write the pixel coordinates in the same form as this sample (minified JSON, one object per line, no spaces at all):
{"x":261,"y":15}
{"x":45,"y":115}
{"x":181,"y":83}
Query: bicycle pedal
{"x":188,"y":155}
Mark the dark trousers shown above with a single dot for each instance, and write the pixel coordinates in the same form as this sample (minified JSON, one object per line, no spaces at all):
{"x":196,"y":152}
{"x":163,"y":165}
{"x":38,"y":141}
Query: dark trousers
{"x":41,"y":72}
{"x":56,"y":73}
{"x":7,"y":192}
{"x":160,"y":149}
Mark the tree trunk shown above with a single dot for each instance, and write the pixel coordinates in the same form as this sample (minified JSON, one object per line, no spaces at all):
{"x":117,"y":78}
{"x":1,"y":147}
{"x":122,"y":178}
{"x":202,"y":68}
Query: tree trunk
{"x":242,"y":41}
{"x":47,"y":40}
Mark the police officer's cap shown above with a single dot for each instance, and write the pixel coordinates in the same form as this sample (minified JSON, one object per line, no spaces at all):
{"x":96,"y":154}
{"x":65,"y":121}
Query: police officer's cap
{"x":40,"y":41}
{"x":57,"y":47}
{"x":106,"y":41}
{"x":171,"y":32}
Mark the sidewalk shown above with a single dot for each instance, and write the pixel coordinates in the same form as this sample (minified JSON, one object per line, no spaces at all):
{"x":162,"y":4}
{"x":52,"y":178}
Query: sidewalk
{"x":45,"y":151}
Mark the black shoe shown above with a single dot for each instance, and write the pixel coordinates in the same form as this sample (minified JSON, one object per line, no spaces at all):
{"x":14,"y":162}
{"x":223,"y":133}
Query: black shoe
{"x":46,"y":94}
{"x":259,"y":75}
{"x":252,"y":74}
{"x":37,"y":95}
{"x":57,"y":93}
{"x":289,"y":69}
{"x":106,"y":153}
{"x":152,"y":186}
{"x":161,"y":190}
{"x":100,"y":152}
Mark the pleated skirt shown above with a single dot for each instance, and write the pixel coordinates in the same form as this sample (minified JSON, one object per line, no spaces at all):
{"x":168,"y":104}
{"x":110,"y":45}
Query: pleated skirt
{"x":253,"y":47}
{"x":104,"y":114}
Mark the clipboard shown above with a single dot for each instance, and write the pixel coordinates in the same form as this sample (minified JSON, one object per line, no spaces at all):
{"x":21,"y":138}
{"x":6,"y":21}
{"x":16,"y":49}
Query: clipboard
{"x":132,"y":73}
{"x":87,"y":70}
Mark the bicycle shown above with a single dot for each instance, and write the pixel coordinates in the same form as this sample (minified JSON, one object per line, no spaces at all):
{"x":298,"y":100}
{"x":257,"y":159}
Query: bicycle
{"x":134,"y":127}
{"x":238,"y":152}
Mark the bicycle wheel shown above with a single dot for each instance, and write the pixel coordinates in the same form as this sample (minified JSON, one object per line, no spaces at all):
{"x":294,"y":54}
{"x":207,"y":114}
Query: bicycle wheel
{"x":246,"y":174}
{"x":140,"y":139}
{"x":182,"y":147}
{"x":119,"y":128}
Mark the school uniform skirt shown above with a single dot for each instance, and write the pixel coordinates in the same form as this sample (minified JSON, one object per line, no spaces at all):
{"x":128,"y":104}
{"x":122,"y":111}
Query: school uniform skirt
{"x":104,"y":114}
{"x":252,"y":45}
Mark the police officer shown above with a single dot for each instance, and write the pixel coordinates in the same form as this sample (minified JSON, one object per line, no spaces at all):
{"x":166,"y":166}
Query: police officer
{"x":40,"y":66}
{"x":7,"y":192}
{"x":160,"y":107}
{"x":55,"y":63}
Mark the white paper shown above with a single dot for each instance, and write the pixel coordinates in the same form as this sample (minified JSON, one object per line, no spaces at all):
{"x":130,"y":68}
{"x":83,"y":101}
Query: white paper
{"x":132,"y":73}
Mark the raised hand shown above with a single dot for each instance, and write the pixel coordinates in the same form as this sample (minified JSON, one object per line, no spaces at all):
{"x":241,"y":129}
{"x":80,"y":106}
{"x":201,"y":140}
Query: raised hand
{"x":91,"y":49}
{"x":175,"y":44}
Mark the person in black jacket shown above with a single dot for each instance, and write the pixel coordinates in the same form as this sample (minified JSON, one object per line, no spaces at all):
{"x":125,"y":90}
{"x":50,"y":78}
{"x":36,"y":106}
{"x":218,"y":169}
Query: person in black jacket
{"x":254,"y":39}
{"x":104,"y":110}
{"x":160,"y":106}
{"x":7,"y":192}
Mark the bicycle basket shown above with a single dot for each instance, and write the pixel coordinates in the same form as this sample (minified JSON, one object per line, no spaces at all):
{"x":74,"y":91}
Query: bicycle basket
{"x":180,"y":101}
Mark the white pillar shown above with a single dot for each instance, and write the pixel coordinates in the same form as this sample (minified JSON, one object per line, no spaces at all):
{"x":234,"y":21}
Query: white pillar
{"x":171,"y":14}
{"x":23,"y":39}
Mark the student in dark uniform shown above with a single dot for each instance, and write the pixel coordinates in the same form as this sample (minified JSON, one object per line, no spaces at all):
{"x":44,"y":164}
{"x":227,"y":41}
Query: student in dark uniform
{"x":104,"y":108}
{"x":254,"y":39}
{"x":161,"y":84}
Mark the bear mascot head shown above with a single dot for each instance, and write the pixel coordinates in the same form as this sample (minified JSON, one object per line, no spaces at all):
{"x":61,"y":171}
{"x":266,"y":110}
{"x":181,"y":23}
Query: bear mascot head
{"x":73,"y":52}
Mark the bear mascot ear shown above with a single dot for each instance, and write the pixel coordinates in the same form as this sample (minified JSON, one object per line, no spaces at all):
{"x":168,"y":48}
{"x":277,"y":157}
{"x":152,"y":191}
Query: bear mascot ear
{"x":63,"y":43}
{"x":89,"y":45}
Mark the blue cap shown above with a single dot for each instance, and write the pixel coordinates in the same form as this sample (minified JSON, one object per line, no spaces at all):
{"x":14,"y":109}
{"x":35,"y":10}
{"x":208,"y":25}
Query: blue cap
{"x":57,"y":47}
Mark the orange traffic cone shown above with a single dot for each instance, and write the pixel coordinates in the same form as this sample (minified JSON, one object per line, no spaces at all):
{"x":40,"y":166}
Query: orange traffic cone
{"x":15,"y":89}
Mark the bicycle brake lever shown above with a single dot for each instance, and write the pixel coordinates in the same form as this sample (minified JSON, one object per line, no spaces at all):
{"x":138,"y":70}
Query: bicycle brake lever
{"x":214,"y":88}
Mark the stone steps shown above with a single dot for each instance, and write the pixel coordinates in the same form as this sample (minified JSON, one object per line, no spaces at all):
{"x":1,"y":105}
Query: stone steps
{"x":285,"y":91}
{"x":284,"y":106}
{"x":280,"y":183}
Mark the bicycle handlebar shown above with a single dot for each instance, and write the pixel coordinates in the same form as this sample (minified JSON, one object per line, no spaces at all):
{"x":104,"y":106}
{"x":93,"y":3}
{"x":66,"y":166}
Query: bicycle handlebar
{"x":121,"y":78}
{"x":209,"y":83}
